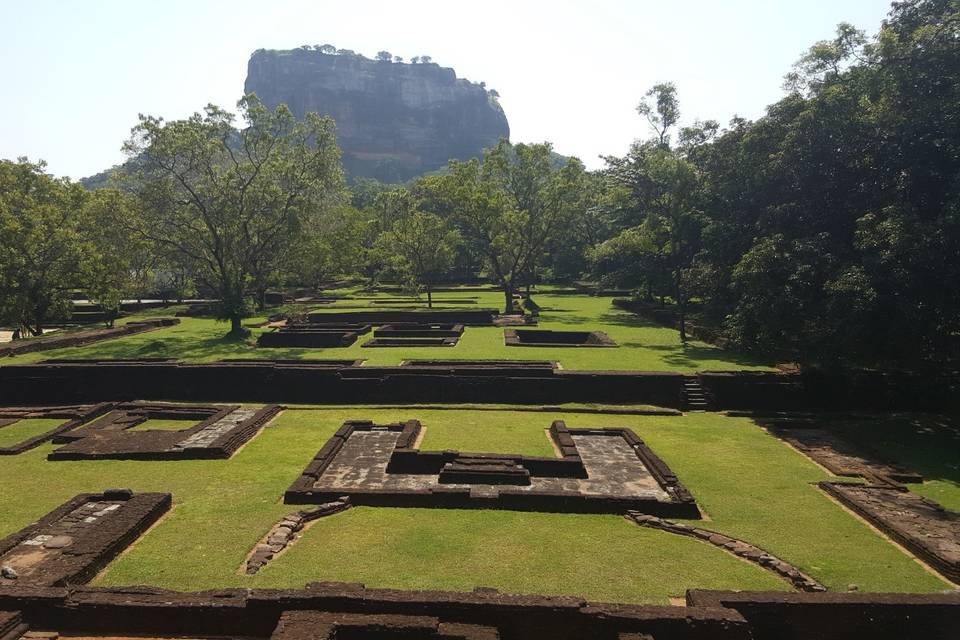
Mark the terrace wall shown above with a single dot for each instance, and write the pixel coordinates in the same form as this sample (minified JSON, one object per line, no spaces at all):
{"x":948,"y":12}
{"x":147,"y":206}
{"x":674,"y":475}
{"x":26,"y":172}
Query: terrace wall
{"x":286,"y":382}
{"x":290,"y":381}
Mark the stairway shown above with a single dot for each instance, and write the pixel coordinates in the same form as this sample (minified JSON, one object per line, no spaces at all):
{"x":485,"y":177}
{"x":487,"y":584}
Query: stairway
{"x":694,"y":397}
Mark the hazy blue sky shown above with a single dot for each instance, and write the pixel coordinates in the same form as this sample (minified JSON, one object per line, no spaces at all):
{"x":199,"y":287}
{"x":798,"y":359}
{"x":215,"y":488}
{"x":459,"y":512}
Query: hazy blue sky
{"x":76,"y":74}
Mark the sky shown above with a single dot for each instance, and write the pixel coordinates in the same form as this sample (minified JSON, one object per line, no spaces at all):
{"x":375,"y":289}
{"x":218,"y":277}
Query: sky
{"x":77,"y":74}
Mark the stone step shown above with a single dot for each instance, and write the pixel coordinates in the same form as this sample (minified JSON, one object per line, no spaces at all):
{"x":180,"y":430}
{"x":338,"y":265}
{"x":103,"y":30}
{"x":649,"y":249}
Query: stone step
{"x":465,"y":471}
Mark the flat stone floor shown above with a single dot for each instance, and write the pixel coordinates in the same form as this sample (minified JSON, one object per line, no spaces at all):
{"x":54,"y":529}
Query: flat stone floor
{"x":33,"y":552}
{"x":921,"y":521}
{"x":839,"y":456}
{"x":613,"y":469}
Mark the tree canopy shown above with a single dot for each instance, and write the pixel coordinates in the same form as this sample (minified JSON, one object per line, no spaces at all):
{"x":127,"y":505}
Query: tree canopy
{"x":229,"y":202}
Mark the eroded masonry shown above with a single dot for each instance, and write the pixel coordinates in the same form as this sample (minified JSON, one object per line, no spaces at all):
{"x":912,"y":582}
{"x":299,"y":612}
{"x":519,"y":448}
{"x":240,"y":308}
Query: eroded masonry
{"x":597,"y":470}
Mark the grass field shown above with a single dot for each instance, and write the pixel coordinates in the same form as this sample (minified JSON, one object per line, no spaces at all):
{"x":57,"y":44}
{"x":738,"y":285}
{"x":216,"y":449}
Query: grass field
{"x":24,"y":429}
{"x":748,"y":483}
{"x":644,"y":346}
{"x":927,"y":444}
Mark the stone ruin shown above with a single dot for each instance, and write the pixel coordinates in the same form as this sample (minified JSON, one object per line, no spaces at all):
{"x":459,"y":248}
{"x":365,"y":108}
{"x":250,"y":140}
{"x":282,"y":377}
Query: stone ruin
{"x":313,"y":335}
{"x":73,"y":542}
{"x":598,"y":470}
{"x":209,"y":431}
{"x":548,"y":338}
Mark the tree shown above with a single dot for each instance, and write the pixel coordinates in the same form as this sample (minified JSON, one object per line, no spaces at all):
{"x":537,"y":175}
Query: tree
{"x":415,"y":60}
{"x":425,"y":246}
{"x":124,"y":263}
{"x":228,"y":203}
{"x":826,"y":230}
{"x":328,"y":245}
{"x":43,"y":249}
{"x":509,"y":207}
{"x":364,"y":191}
{"x":826,"y":60}
{"x":398,"y":59}
{"x":664,"y":188}
{"x":664,"y":112}
{"x":384,"y":56}
{"x":327,"y":49}
{"x":426,"y":59}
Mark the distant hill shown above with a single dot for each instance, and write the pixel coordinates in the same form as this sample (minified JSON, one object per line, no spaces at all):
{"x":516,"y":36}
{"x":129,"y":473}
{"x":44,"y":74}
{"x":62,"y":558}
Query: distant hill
{"x":394,"y":120}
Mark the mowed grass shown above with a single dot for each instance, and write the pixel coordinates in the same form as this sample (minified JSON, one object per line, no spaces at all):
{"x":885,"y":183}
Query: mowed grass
{"x":749,"y":484}
{"x":21,"y":430}
{"x":925,"y":443}
{"x":644,"y":346}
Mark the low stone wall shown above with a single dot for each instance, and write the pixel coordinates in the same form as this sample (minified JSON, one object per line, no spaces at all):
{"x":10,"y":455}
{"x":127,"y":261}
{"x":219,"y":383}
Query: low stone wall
{"x":322,"y":383}
{"x":547,"y":338}
{"x":599,"y":471}
{"x":209,"y":432}
{"x":76,"y":540}
{"x":839,"y":616}
{"x":739,"y":548}
{"x":924,"y":527}
{"x":257,"y":613}
{"x":307,"y":339}
{"x":78,"y":338}
{"x":854,"y":390}
{"x":286,"y":532}
{"x":74,"y":415}
{"x":336,"y":382}
{"x":474,"y":317}
{"x":419,"y":330}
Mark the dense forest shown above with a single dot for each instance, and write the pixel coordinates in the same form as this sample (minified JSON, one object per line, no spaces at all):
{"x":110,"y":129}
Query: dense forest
{"x":827,"y":231}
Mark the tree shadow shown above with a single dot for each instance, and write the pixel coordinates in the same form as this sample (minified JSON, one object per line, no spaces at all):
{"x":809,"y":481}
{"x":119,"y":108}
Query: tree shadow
{"x":692,"y":356}
{"x":925,"y":443}
{"x":186,"y":347}
{"x":631,"y":320}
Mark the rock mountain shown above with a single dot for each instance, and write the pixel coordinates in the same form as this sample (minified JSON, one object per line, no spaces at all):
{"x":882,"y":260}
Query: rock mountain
{"x":394,"y":120}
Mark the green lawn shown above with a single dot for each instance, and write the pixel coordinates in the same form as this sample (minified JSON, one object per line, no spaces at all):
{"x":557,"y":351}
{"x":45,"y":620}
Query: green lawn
{"x":644,"y":346}
{"x":750,"y":484}
{"x":927,"y":444}
{"x":23,"y":429}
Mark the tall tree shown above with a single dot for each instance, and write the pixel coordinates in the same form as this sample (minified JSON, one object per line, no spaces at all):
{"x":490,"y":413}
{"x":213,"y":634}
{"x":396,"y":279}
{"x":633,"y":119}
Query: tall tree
{"x":664,"y":190}
{"x":124,"y":263}
{"x":661,"y":109}
{"x":425,"y":246}
{"x":43,"y":246}
{"x":228,"y":202}
{"x":509,"y":207}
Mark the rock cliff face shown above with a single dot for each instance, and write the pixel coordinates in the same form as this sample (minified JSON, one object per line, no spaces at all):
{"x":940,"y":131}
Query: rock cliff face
{"x":394,"y":120}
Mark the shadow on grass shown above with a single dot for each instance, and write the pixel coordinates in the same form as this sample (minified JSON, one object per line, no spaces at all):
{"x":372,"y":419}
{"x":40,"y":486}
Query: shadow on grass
{"x":630,"y":320}
{"x":692,"y":356}
{"x":186,"y":347}
{"x":927,"y":444}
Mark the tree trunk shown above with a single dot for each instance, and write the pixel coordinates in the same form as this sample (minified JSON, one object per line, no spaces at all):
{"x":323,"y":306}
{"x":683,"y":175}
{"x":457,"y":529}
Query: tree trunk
{"x":508,"y":307}
{"x":681,"y":310}
{"x":38,"y":330}
{"x":429,"y":296}
{"x":528,"y":290}
{"x":236,"y":328}
{"x":261,"y":298}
